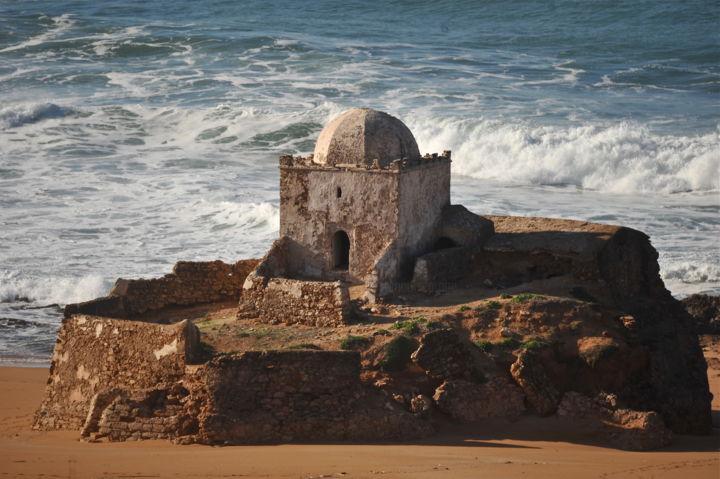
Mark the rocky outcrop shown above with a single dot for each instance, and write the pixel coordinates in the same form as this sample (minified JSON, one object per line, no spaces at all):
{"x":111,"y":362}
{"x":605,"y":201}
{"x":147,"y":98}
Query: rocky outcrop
{"x":541,"y":394}
{"x":442,"y":355}
{"x":621,"y":428}
{"x":705,"y":309}
{"x":467,"y":401}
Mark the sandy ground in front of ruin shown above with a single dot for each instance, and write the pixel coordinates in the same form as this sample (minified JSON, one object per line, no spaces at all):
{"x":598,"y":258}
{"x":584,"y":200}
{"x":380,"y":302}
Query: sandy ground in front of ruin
{"x":526,"y":448}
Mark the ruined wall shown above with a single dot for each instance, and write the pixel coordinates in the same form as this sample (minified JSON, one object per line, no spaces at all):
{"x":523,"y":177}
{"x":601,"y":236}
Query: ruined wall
{"x":285,"y":395}
{"x":94,"y":355}
{"x":292,"y":301}
{"x":189,"y":283}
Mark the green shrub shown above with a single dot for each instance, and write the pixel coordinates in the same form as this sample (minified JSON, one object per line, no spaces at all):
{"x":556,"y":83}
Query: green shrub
{"x":521,"y":298}
{"x":433,"y":325}
{"x":534,"y":344}
{"x":410,"y":326}
{"x":493,"y":304}
{"x":483,"y":345}
{"x":352,"y":342}
{"x":464,"y":307}
{"x":383,"y":332}
{"x":397,"y":353}
{"x":506,"y":296}
{"x":508,"y":343}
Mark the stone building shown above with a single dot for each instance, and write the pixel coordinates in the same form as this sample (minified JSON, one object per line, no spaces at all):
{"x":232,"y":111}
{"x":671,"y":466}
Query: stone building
{"x":362,"y":210}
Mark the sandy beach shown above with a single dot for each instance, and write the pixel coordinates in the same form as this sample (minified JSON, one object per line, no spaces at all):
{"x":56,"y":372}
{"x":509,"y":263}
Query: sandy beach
{"x":530,"y":448}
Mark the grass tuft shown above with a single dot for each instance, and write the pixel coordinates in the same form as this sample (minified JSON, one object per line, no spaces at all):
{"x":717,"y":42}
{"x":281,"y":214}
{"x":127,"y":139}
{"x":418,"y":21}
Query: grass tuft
{"x":352,"y":342}
{"x":521,"y":298}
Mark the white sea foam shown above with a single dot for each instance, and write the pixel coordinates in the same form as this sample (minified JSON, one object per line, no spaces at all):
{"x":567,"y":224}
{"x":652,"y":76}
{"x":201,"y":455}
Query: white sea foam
{"x":622,"y":158}
{"x":52,"y":289}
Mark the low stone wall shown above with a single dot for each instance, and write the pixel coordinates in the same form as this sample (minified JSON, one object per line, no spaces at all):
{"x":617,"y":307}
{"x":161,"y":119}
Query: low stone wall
{"x":284,"y":395}
{"x":189,"y":283}
{"x":258,"y":397}
{"x":293,"y":301}
{"x":95,"y":355}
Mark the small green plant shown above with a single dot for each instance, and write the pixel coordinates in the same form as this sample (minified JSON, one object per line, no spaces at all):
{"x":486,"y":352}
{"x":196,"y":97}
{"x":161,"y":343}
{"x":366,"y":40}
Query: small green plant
{"x":464,"y":307}
{"x":410,"y":326}
{"x":493,"y":304}
{"x":484,"y":345}
{"x":433,"y":325}
{"x":506,"y":296}
{"x":534,"y":344}
{"x":243,"y":334}
{"x":508,"y":343}
{"x":303,"y":346}
{"x":352,"y":342}
{"x":397,"y":353}
{"x":521,"y":298}
{"x":383,"y":332}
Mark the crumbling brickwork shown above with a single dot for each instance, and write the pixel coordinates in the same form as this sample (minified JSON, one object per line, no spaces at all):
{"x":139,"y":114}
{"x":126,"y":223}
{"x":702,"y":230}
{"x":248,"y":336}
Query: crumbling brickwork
{"x":190,"y":283}
{"x":95,"y":355}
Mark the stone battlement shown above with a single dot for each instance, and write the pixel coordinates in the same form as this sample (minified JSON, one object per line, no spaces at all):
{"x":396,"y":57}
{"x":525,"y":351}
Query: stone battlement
{"x":401,"y":164}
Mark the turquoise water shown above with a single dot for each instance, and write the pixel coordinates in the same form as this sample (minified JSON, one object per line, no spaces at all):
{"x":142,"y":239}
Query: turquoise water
{"x":136,"y":134}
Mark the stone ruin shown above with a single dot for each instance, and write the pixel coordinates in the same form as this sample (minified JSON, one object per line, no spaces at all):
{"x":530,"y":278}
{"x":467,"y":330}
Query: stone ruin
{"x":365,"y":209}
{"x":363,"y":220}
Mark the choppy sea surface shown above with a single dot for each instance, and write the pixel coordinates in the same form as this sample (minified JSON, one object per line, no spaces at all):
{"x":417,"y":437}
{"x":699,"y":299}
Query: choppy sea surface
{"x":137,"y":134}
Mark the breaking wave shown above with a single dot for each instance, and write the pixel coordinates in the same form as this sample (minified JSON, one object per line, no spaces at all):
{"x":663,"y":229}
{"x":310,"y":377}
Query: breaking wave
{"x":51,"y":290}
{"x":21,"y":115}
{"x":622,"y":158}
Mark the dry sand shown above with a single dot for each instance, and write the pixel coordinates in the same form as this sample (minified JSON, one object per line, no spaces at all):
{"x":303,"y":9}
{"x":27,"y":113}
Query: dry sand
{"x":526,"y":448}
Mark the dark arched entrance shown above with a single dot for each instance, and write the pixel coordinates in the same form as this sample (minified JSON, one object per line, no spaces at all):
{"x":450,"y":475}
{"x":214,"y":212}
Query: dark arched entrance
{"x":341,"y":250}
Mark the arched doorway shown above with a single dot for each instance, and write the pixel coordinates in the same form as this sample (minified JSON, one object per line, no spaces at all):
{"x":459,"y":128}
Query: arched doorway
{"x":341,"y":250}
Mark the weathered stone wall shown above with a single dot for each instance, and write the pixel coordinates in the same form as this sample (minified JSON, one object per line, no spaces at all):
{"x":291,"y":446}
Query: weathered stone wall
{"x":95,"y":355}
{"x":284,"y":395}
{"x":311,"y":212}
{"x":189,"y":283}
{"x":424,"y":192}
{"x":293,"y":301}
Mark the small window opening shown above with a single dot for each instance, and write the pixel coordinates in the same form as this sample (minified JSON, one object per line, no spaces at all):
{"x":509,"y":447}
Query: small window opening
{"x":338,"y":192}
{"x":444,"y":243}
{"x":341,"y":250}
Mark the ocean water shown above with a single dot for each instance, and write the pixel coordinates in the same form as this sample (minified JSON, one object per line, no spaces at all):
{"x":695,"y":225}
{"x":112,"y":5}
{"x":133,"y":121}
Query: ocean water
{"x":136,"y":134}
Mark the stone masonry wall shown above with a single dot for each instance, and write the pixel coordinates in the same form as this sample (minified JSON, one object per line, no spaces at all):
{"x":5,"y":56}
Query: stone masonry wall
{"x":189,"y":283}
{"x":292,"y":301}
{"x":95,"y":355}
{"x":284,"y":395}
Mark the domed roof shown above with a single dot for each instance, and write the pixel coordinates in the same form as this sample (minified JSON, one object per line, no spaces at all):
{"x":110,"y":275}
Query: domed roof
{"x":361,"y":135}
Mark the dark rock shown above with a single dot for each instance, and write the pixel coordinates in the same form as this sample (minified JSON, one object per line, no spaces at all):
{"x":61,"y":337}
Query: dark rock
{"x":442,"y":355}
{"x":705,"y":309}
{"x":529,"y":373}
